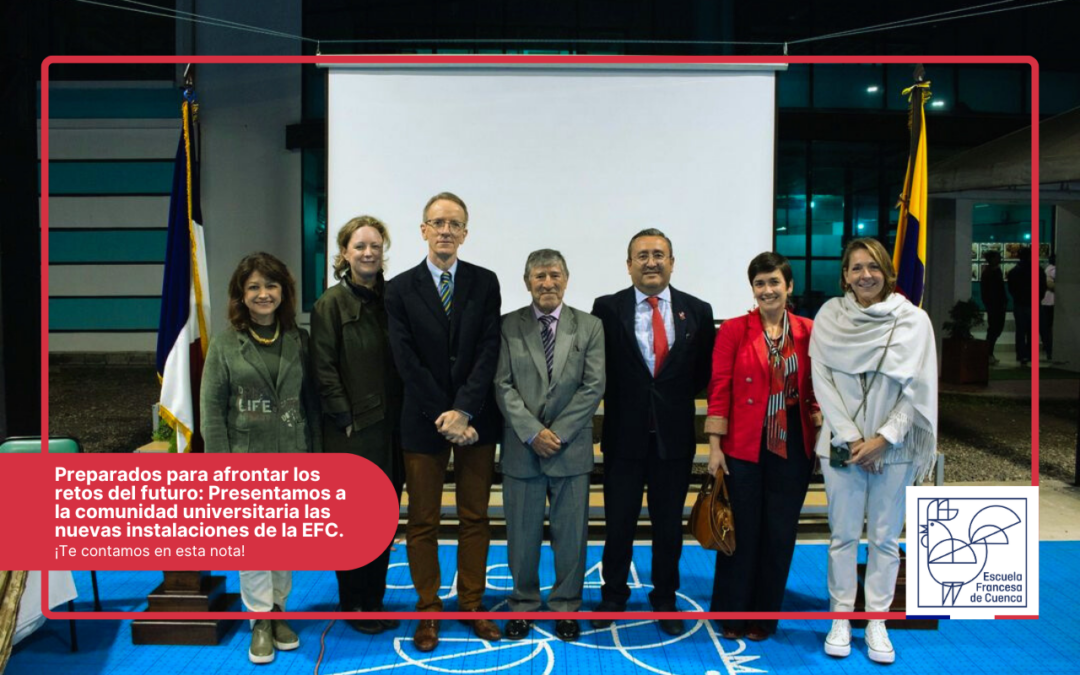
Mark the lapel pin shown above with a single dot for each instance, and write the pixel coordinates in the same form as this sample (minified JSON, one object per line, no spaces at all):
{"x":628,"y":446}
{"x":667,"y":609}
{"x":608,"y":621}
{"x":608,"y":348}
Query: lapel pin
{"x":682,"y":316}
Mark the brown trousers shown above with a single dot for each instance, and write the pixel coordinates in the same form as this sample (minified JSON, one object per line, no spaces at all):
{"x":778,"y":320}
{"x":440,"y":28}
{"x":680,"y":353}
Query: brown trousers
{"x":474,"y":468}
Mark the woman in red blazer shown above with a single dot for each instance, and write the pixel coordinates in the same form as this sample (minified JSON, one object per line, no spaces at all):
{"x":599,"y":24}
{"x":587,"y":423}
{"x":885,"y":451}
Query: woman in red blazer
{"x":761,"y":429}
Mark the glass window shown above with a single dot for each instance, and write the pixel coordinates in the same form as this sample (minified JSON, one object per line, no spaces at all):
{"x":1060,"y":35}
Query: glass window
{"x":798,"y":275}
{"x":830,"y":181}
{"x":314,"y":87}
{"x":313,"y":227}
{"x":865,"y":215}
{"x":893,"y":194}
{"x":1004,"y":222}
{"x":1058,"y":92}
{"x":825,"y":277}
{"x":791,"y":199}
{"x":827,"y":212}
{"x":794,"y":86}
{"x":848,"y":86}
{"x":791,"y":225}
{"x":985,"y":89}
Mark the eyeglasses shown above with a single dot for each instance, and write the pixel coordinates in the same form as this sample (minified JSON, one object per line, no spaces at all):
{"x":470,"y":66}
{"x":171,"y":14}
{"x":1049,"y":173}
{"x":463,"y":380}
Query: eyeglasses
{"x":456,"y":226}
{"x":655,"y":256}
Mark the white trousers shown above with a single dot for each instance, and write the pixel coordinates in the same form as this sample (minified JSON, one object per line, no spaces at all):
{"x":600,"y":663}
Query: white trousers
{"x":260,"y":590}
{"x":853,"y":495}
{"x":30,"y":618}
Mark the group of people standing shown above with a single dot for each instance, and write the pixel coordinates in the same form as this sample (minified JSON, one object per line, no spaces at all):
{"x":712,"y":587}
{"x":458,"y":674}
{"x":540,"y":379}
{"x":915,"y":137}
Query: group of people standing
{"x":993,"y":283}
{"x":407,"y":372}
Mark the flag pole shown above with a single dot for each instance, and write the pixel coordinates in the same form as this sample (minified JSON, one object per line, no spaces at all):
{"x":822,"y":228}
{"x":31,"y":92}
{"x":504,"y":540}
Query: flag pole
{"x":909,"y":250}
{"x":183,"y":332}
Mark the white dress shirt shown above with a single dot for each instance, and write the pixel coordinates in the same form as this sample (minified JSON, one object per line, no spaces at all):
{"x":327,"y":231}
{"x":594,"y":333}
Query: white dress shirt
{"x":643,"y":324}
{"x":437,"y":273}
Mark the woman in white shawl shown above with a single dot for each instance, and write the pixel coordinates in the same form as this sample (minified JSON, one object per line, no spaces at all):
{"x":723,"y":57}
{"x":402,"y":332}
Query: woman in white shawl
{"x":875,"y":375}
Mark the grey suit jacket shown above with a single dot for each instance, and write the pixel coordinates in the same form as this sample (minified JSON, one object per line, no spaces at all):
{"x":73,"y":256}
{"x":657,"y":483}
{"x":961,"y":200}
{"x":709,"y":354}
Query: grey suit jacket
{"x":566,"y":404}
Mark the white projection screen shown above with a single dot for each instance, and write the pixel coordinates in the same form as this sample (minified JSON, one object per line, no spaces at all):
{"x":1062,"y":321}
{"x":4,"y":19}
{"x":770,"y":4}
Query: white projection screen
{"x":575,"y":158}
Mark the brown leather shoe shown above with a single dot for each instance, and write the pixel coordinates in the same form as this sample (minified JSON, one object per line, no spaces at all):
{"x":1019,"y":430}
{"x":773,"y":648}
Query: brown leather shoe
{"x":730,"y":633}
{"x":426,"y":638}
{"x":757,"y":633}
{"x":485,"y":629}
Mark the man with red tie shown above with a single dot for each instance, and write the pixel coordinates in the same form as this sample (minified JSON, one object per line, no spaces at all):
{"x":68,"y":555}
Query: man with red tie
{"x":658,"y":343}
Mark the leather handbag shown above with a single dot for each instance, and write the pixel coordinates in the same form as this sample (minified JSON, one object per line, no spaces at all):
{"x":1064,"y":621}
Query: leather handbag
{"x":711,"y":520}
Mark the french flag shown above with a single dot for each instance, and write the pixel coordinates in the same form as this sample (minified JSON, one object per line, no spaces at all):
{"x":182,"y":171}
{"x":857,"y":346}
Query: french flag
{"x":183,"y":329}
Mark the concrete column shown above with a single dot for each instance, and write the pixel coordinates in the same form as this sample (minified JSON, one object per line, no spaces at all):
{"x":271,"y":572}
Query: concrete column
{"x":251,"y":184}
{"x":948,"y":265}
{"x":1067,"y":288}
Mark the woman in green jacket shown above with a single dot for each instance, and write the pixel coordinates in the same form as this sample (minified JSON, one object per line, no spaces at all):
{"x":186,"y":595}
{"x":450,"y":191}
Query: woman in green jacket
{"x":258,"y":396}
{"x":360,"y":388}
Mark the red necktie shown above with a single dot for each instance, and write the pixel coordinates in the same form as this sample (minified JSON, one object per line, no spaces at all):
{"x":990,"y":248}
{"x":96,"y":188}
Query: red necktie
{"x":659,"y":334}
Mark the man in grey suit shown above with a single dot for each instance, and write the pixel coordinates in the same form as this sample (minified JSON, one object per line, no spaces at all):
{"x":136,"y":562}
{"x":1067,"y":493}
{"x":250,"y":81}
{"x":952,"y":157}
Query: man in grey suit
{"x":548,"y":384}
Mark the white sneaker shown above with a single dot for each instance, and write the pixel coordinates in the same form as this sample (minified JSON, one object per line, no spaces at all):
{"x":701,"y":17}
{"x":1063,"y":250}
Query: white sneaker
{"x":838,"y":641}
{"x":878,"y":646}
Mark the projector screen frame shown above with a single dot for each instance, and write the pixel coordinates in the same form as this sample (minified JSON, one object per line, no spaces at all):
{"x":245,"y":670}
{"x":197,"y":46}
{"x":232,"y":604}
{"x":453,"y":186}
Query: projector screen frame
{"x":546,"y":66}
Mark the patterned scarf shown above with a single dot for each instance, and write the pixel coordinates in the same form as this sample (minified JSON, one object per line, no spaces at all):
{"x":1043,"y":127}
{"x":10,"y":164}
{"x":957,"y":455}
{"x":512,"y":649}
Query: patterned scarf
{"x":783,"y":388}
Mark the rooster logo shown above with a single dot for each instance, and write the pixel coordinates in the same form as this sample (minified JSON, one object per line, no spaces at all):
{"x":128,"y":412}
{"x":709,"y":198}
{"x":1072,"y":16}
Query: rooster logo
{"x":954,"y":562}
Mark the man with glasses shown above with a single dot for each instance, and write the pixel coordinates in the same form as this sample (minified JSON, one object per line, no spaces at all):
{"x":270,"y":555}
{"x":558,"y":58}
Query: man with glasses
{"x":444,"y":333}
{"x":658,"y":346}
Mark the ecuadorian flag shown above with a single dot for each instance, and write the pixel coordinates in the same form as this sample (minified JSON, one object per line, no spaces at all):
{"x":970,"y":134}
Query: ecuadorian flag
{"x":909,"y":255}
{"x":183,"y":329}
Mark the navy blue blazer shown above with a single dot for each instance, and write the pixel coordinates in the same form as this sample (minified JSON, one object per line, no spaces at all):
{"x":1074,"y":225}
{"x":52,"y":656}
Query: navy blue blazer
{"x":634,"y":400}
{"x":445,"y":363}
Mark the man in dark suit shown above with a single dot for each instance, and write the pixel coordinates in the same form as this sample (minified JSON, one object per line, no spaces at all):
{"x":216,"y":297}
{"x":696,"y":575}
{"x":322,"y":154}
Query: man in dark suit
{"x":444,"y":333}
{"x":658,"y":345}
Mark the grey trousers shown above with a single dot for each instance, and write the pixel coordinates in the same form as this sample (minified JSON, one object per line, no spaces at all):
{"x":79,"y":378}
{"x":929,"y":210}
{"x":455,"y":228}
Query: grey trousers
{"x":854,"y":494}
{"x":524,"y":500}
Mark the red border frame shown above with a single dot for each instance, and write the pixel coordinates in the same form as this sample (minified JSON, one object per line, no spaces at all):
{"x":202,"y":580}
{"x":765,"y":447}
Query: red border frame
{"x":504,"y":60}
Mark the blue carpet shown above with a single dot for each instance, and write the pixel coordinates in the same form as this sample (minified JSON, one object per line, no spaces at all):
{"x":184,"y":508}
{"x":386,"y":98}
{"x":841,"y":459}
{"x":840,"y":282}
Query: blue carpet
{"x":1048,"y":645}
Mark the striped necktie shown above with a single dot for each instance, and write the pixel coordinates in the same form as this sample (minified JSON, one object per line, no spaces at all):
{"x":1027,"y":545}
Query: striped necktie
{"x":446,"y":292}
{"x":547,"y":336}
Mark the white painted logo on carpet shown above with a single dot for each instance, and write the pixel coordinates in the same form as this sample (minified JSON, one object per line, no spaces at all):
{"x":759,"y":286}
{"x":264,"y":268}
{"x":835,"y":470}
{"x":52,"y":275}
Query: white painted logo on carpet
{"x":635,"y":641}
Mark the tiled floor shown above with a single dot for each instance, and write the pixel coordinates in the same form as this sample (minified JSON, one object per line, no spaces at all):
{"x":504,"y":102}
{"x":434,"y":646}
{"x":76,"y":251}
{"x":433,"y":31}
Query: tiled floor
{"x":1048,"y":645}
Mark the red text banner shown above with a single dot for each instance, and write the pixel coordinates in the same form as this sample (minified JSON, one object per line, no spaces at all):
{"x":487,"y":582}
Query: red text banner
{"x":178,"y":512}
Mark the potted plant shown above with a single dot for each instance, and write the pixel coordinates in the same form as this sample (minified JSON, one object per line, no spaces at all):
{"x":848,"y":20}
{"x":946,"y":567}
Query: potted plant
{"x":964,"y":360}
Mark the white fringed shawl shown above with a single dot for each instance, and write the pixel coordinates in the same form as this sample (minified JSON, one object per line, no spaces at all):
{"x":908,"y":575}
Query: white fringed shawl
{"x":850,"y":338}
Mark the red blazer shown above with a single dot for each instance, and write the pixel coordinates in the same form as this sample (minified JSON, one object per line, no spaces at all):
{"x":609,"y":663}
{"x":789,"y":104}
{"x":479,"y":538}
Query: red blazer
{"x":739,"y":388}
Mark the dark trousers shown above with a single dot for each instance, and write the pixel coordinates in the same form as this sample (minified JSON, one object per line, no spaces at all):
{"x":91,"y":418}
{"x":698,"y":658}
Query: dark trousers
{"x":364,"y":587}
{"x":624,"y":486}
{"x":1046,"y":329}
{"x":995,"y":324}
{"x":766,"y":499}
{"x":1022,"y":317}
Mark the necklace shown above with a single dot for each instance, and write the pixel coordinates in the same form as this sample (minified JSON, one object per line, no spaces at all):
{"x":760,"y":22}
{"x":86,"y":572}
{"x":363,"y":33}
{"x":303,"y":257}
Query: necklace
{"x":262,"y":340}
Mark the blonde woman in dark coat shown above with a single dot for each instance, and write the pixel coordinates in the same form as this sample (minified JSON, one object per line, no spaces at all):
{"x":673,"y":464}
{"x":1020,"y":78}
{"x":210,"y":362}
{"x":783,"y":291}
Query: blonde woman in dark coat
{"x":258,"y":396}
{"x":360,"y":388}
